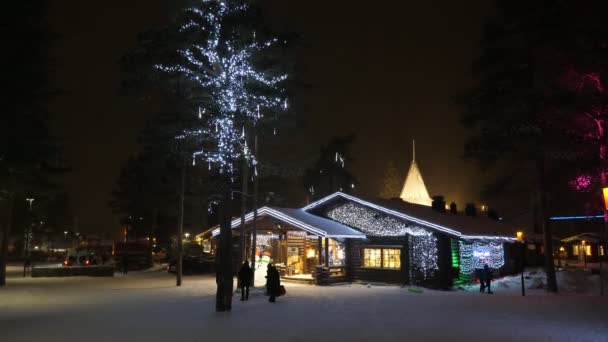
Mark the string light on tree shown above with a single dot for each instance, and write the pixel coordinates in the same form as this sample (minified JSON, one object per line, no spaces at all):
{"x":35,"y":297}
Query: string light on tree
{"x":424,"y":255}
{"x":233,"y":92}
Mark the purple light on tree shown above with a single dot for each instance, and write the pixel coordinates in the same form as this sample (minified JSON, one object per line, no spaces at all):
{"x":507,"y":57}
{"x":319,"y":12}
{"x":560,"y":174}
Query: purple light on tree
{"x":581,"y":183}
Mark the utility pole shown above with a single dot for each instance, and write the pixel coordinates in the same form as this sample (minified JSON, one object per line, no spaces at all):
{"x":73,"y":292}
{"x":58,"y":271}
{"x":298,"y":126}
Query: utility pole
{"x":27,"y":239}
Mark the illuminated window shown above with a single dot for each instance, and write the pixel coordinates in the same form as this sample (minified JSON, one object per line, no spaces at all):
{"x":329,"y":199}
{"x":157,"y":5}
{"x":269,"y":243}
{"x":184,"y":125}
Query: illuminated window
{"x":588,"y":250}
{"x":391,"y":258}
{"x":601,"y":250}
{"x":372,"y":257}
{"x":382,"y":258}
{"x":575,"y":250}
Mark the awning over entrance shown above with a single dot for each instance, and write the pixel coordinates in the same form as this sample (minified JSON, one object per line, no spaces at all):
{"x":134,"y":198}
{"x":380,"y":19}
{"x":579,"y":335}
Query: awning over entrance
{"x":301,"y":219}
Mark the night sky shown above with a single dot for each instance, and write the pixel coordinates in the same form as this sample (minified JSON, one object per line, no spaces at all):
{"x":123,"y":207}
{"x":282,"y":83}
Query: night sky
{"x":387,"y":71}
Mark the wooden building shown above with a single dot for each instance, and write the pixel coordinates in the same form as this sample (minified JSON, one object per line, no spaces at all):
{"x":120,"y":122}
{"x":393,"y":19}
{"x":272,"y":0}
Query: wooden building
{"x":343,"y":238}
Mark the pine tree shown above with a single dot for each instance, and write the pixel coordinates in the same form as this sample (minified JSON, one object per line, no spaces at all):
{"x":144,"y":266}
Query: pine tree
{"x":391,"y":182}
{"x":229,"y":66}
{"x":330,"y":172}
{"x":28,"y":156}
{"x":511,"y":110}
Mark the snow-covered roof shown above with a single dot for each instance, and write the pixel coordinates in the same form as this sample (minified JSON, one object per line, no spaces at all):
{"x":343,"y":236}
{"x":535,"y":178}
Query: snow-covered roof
{"x":465,"y":227}
{"x":588,"y":237}
{"x":301,"y":219}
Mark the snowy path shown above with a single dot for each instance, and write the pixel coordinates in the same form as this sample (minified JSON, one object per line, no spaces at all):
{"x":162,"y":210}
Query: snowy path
{"x":148,"y":307}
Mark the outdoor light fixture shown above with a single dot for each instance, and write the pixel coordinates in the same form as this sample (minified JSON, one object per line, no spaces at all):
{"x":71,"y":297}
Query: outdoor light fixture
{"x":311,"y":253}
{"x":520,"y":236}
{"x":562,"y":249}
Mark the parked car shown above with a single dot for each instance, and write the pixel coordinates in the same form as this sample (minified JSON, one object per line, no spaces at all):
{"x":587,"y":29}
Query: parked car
{"x":194,"y":264}
{"x":80,"y":258}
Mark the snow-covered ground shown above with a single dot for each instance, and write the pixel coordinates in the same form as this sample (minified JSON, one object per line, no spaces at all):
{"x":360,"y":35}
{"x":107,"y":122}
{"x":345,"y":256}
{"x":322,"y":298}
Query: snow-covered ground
{"x":146,"y":306}
{"x":570,"y":281}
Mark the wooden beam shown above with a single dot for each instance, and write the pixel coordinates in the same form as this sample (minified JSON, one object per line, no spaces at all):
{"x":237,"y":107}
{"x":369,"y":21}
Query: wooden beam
{"x":320,"y":248}
{"x":326,"y":252}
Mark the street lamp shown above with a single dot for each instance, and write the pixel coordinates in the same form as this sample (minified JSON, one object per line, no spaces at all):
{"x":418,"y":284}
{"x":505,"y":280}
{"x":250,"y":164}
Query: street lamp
{"x":30,"y":200}
{"x":583,"y":243}
{"x":187,"y":235}
{"x":603,"y":238}
{"x":520,"y":238}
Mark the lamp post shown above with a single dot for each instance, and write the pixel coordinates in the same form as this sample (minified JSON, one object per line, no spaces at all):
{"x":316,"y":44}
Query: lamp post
{"x":520,"y":238}
{"x":27,"y":239}
{"x":583,"y":244}
{"x":603,"y":238}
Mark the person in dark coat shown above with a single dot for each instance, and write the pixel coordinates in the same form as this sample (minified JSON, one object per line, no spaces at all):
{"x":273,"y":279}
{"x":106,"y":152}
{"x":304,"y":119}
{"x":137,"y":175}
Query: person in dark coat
{"x":487,"y":278}
{"x":482,"y":279}
{"x":245,"y":274}
{"x":273,"y":282}
{"x":125,"y":264}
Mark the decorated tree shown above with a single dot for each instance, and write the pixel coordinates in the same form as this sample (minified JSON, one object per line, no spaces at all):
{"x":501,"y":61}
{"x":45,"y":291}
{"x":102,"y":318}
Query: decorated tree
{"x":228,"y":64}
{"x":513,"y":111}
{"x":391,"y":182}
{"x":330,"y":172}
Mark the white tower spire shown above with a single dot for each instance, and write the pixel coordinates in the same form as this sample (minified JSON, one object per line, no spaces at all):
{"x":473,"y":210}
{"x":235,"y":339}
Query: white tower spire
{"x":414,"y":190}
{"x":413,"y":150}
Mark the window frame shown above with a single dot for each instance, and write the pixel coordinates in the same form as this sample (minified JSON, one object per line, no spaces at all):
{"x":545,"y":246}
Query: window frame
{"x":382,"y":249}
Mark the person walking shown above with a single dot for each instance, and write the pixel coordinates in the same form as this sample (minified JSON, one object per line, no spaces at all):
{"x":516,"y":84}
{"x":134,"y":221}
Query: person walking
{"x":487,"y":276}
{"x":245,"y":274}
{"x":482,"y":281}
{"x":273,"y":282}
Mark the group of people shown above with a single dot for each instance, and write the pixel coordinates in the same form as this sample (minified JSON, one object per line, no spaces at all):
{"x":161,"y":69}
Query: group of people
{"x":273,"y":282}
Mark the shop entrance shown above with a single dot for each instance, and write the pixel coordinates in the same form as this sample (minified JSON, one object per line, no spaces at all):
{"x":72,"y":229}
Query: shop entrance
{"x":296,"y":254}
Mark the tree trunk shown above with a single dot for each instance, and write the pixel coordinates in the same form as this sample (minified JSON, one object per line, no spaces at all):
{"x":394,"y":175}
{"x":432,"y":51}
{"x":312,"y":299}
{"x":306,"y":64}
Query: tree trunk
{"x":180,"y":227}
{"x":6,"y":237}
{"x":255,"y":214}
{"x":546,"y":227}
{"x":244,"y":209}
{"x":224,"y":277}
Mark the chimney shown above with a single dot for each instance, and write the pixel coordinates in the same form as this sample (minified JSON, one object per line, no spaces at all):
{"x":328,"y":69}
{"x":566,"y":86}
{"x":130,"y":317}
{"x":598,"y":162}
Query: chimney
{"x":438,"y":204}
{"x":453,"y":208}
{"x":470,"y":210}
{"x":493,"y":214}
